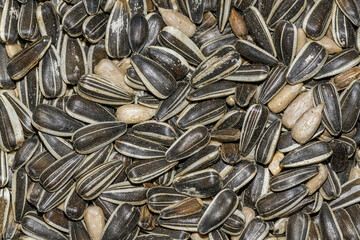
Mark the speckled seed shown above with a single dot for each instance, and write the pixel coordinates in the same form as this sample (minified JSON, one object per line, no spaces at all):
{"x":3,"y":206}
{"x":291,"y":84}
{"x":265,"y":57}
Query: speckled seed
{"x":95,"y":221}
{"x":284,"y":97}
{"x":307,"y":124}
{"x":134,"y":113}
{"x":178,"y":20}
{"x":315,"y":183}
{"x":107,"y":69}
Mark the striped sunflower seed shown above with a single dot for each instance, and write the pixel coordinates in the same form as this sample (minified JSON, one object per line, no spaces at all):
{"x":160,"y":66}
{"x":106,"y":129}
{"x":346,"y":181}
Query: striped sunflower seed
{"x":191,"y":142}
{"x":93,"y":137}
{"x":201,"y":184}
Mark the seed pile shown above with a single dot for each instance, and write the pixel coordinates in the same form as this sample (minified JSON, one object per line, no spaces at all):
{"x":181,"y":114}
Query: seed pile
{"x":171,"y":120}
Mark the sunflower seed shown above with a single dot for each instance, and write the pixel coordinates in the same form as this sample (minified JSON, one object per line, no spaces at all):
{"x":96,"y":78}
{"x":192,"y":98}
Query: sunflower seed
{"x":57,"y":219}
{"x":318,"y":19}
{"x":155,"y":131}
{"x":313,"y":152}
{"x":24,"y":61}
{"x":329,"y":227}
{"x":339,"y":63}
{"x":258,"y":187}
{"x":73,"y":19}
{"x":94,"y":182}
{"x":94,"y":27}
{"x":349,"y":195}
{"x":34,"y":226}
{"x":146,"y":170}
{"x":202,"y":184}
{"x":28,"y":30}
{"x":59,"y":172}
{"x":349,"y":8}
{"x":293,"y":177}
{"x":78,"y":231}
{"x":117,"y":31}
{"x":182,"y":208}
{"x":97,"y":89}
{"x":210,"y":221}
{"x":191,"y":142}
{"x":173,"y":38}
{"x":133,"y":146}
{"x":258,"y":30}
{"x":285,"y":40}
{"x":331,"y":115}
{"x":298,"y":226}
{"x":74,"y":205}
{"x":240,"y":175}
{"x":307,"y":63}
{"x":204,"y":113}
{"x":9,"y":21}
{"x":156,"y":78}
{"x":331,"y":188}
{"x":169,"y":59}
{"x":250,"y":73}
{"x":125,"y":218}
{"x":272,"y":205}
{"x":256,"y":229}
{"x":19,"y":190}
{"x":273,"y":84}
{"x":125,"y":192}
{"x":94,"y":136}
{"x":48,"y":21}
{"x":287,"y":10}
{"x":254,"y":124}
{"x":254,"y":53}
{"x":72,"y":60}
